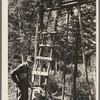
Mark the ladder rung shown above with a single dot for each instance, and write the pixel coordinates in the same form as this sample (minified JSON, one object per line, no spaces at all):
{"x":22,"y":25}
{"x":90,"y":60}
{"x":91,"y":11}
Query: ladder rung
{"x":44,"y":32}
{"x":52,"y":20}
{"x":36,"y":87}
{"x":45,"y":45}
{"x":54,"y":32}
{"x":40,"y":73}
{"x":44,"y":58}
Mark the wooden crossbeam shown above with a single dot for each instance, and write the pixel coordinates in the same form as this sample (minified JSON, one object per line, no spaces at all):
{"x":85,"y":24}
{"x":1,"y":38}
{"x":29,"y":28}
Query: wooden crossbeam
{"x":64,"y":2}
{"x":44,"y":58}
{"x":54,"y":32}
{"x":69,"y":5}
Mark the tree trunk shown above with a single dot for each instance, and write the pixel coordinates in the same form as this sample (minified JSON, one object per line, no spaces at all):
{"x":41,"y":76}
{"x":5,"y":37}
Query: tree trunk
{"x":20,"y":27}
{"x":36,"y":41}
{"x":65,"y":61}
{"x":84,"y":60}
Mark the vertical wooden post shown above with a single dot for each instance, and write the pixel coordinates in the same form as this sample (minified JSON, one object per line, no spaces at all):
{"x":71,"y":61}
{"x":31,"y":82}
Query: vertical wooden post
{"x":36,"y":35}
{"x":65,"y":62}
{"x":75,"y":64}
{"x":40,"y":66}
{"x":39,"y":26}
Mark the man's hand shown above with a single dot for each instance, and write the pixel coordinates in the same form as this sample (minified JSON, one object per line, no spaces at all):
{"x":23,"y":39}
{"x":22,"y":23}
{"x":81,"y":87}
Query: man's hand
{"x":29,"y":84}
{"x":17,"y":84}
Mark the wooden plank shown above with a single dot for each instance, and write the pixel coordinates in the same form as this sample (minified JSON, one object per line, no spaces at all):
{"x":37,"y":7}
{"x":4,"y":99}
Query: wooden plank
{"x":54,"y":32}
{"x":64,"y":2}
{"x":44,"y":58}
{"x":44,"y":32}
{"x":46,"y":45}
{"x":40,"y":73}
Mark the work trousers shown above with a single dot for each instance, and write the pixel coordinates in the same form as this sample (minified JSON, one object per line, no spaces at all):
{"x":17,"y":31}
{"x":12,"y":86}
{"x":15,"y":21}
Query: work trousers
{"x":22,"y":92}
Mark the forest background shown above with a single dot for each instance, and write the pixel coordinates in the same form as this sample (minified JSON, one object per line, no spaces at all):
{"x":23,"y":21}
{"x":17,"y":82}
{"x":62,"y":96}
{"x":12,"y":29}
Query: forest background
{"x":22,"y":19}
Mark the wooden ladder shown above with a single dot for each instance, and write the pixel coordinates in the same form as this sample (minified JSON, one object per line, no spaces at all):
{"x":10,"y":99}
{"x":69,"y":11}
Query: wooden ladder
{"x":45,"y":56}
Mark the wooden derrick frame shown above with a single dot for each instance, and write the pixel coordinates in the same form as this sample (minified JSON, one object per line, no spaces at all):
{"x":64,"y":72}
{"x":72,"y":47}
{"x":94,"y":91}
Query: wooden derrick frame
{"x":68,"y":5}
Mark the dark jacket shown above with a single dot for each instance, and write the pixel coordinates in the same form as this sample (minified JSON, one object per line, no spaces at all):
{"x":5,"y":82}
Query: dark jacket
{"x":21,"y":74}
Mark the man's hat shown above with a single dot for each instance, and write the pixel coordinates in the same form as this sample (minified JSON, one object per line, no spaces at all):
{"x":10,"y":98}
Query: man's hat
{"x":30,"y":59}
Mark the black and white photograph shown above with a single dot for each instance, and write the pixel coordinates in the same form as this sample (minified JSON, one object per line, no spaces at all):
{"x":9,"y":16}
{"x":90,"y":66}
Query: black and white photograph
{"x":51,"y":50}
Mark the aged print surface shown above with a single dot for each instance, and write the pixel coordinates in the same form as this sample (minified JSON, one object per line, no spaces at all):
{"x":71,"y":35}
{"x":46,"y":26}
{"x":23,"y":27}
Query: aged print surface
{"x":52,"y":50}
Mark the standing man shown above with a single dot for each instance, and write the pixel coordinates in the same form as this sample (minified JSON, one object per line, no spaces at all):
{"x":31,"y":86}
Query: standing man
{"x":22,"y":77}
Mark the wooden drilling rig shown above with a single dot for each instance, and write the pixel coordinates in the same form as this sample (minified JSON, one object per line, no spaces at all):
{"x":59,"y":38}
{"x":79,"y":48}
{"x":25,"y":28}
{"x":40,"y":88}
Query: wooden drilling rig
{"x":45,"y":55}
